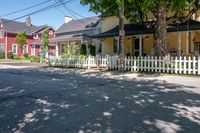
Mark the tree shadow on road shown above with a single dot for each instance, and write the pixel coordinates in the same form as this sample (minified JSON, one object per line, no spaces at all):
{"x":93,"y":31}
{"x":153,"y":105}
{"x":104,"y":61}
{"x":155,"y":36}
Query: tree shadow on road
{"x":69,"y":101}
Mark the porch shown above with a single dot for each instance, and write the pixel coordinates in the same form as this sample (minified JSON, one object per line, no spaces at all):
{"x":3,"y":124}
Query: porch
{"x":183,"y":39}
{"x":66,"y":40}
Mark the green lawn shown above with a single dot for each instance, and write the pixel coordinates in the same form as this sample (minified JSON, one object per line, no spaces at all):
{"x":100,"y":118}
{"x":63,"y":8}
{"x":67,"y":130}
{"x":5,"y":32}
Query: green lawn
{"x":13,"y":60}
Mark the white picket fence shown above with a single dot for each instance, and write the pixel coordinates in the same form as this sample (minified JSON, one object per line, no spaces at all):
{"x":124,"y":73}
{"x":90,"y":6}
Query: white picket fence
{"x":176,"y":65}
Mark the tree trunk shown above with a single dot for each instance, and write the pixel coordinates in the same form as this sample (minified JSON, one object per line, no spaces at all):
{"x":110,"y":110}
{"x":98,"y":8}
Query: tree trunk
{"x":121,"y":36}
{"x":160,"y":40}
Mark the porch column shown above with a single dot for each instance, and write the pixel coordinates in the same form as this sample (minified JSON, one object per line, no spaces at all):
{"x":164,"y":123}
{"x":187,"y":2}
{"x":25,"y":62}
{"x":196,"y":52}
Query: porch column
{"x":140,"y":46}
{"x":57,"y":50}
{"x":179,"y":44}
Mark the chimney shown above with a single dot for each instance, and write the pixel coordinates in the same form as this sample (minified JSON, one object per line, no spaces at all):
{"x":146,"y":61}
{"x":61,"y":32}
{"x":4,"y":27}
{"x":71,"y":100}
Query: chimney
{"x":28,"y":22}
{"x":68,"y":19}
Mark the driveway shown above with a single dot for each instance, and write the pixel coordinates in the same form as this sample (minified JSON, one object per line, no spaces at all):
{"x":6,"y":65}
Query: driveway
{"x":49,"y":100}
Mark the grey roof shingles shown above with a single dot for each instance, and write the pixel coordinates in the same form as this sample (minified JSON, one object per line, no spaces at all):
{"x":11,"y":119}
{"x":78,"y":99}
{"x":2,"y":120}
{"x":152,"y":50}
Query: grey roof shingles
{"x":11,"y":26}
{"x":79,"y":25}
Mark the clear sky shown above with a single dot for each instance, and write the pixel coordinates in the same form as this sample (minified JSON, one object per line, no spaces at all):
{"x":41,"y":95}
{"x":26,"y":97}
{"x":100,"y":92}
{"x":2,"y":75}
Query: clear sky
{"x":52,"y":17}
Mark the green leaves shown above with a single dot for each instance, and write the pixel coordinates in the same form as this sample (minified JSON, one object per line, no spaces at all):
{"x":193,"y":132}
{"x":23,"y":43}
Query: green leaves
{"x":45,"y":40}
{"x":21,"y":39}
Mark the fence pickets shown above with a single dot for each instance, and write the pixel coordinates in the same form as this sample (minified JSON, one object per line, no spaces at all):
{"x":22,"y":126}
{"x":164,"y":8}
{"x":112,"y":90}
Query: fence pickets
{"x":176,"y":65}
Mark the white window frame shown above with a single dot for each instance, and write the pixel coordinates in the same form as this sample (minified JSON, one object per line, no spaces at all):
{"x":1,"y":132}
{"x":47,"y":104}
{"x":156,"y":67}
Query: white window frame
{"x":50,"y":32}
{"x":26,"y":49}
{"x":16,"y":49}
{"x":33,"y":50}
{"x":1,"y":34}
{"x":35,"y":36}
{"x":2,"y":46}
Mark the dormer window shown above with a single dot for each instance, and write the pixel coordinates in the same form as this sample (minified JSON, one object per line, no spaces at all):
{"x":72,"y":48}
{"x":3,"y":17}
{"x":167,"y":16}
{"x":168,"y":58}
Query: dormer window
{"x":35,"y":36}
{"x":50,"y":32}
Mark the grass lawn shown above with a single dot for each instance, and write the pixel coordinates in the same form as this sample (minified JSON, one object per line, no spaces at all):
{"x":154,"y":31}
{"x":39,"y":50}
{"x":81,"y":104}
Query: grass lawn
{"x":13,"y":60}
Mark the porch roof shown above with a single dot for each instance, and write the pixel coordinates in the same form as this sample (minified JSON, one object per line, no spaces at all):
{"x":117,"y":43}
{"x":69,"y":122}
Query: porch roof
{"x":71,"y":37}
{"x":136,"y":29}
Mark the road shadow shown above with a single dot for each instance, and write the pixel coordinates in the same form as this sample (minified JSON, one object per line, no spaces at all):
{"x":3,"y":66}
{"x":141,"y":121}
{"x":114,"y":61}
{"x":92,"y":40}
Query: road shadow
{"x":44,"y":100}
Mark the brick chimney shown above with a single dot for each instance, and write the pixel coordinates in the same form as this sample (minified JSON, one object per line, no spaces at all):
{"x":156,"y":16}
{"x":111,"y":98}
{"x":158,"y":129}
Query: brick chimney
{"x":28,"y":22}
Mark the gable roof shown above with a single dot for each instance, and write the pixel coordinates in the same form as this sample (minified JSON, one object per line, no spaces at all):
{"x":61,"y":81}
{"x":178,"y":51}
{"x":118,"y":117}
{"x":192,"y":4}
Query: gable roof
{"x":79,"y":25}
{"x":11,"y":26}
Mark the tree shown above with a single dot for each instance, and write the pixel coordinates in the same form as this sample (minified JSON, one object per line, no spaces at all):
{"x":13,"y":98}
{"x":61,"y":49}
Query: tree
{"x":137,"y":12}
{"x":83,"y":49}
{"x":21,"y":40}
{"x":45,"y":43}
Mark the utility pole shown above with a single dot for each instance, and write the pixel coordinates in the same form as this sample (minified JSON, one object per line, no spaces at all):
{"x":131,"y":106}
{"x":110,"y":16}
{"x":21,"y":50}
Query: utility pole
{"x":121,"y":36}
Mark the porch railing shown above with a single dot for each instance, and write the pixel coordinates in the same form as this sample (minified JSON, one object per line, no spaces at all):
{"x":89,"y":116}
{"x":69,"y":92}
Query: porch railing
{"x":173,"y":65}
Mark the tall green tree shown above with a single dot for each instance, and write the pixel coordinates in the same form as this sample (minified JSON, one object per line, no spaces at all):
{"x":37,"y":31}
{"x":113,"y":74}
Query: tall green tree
{"x":137,"y":12}
{"x":21,"y":40}
{"x":45,"y":43}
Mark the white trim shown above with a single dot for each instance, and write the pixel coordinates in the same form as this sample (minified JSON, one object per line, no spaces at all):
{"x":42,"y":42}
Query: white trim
{"x":1,"y":33}
{"x":2,"y":48}
{"x":16,"y":49}
{"x":33,"y":48}
{"x":26,"y":49}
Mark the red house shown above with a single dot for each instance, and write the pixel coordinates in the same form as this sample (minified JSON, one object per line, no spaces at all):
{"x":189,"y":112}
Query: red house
{"x":9,"y":30}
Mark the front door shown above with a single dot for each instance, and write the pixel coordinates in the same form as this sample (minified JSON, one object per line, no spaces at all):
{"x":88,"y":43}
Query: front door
{"x":136,"y":46}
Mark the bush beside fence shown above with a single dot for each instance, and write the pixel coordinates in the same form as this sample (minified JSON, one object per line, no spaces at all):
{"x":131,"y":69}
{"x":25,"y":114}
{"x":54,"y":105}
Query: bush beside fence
{"x":176,"y":65}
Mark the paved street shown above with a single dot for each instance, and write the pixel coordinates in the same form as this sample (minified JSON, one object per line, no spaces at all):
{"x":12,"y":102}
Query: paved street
{"x":43,"y":100}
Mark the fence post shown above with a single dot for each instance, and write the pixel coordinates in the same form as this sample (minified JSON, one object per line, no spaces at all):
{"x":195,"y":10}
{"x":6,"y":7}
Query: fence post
{"x":189,"y":65}
{"x":176,"y":64}
{"x":180,"y":65}
{"x":88,"y":62}
{"x":145,"y":64}
{"x":152,"y":64}
{"x":194,"y":65}
{"x":199,"y":65}
{"x":160,"y":64}
{"x":184,"y":65}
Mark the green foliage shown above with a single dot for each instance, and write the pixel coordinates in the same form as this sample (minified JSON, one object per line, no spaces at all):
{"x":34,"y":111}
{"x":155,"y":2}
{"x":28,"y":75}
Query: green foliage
{"x":10,"y":55}
{"x":21,"y":39}
{"x":17,"y":57}
{"x":2,"y":54}
{"x":34,"y":58}
{"x":92,"y":50}
{"x":83,"y":50}
{"x":45,"y":40}
{"x":71,"y":49}
{"x":26,"y":56}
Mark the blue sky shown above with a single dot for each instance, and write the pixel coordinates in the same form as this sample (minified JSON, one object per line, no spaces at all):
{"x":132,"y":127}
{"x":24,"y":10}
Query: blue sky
{"x":52,"y":17}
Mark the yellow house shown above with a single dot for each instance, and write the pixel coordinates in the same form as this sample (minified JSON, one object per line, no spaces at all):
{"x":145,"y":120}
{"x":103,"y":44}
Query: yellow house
{"x":139,"y":39}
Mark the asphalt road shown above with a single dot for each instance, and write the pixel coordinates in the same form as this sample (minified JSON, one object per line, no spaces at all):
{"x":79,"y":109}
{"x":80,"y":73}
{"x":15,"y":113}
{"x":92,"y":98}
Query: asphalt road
{"x":42,"y":100}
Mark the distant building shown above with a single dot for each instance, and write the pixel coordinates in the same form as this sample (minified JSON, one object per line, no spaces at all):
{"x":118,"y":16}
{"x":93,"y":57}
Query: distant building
{"x":9,"y":30}
{"x":77,"y":32}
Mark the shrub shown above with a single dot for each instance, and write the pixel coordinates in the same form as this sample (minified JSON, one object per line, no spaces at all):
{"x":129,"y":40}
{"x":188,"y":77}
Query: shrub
{"x":92,"y":50}
{"x":25,"y":56}
{"x":83,"y":50}
{"x":65,"y":56}
{"x":10,"y":55}
{"x":34,"y":58}
{"x":2,"y":54}
{"x":16,"y":57}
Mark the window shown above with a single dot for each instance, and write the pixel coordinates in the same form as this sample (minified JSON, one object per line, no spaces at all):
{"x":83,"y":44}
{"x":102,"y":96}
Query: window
{"x":1,"y":46}
{"x":35,"y":36}
{"x":1,"y":33}
{"x":33,"y":50}
{"x":50,"y":32}
{"x":14,"y":48}
{"x":115,"y":45}
{"x":25,"y":49}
